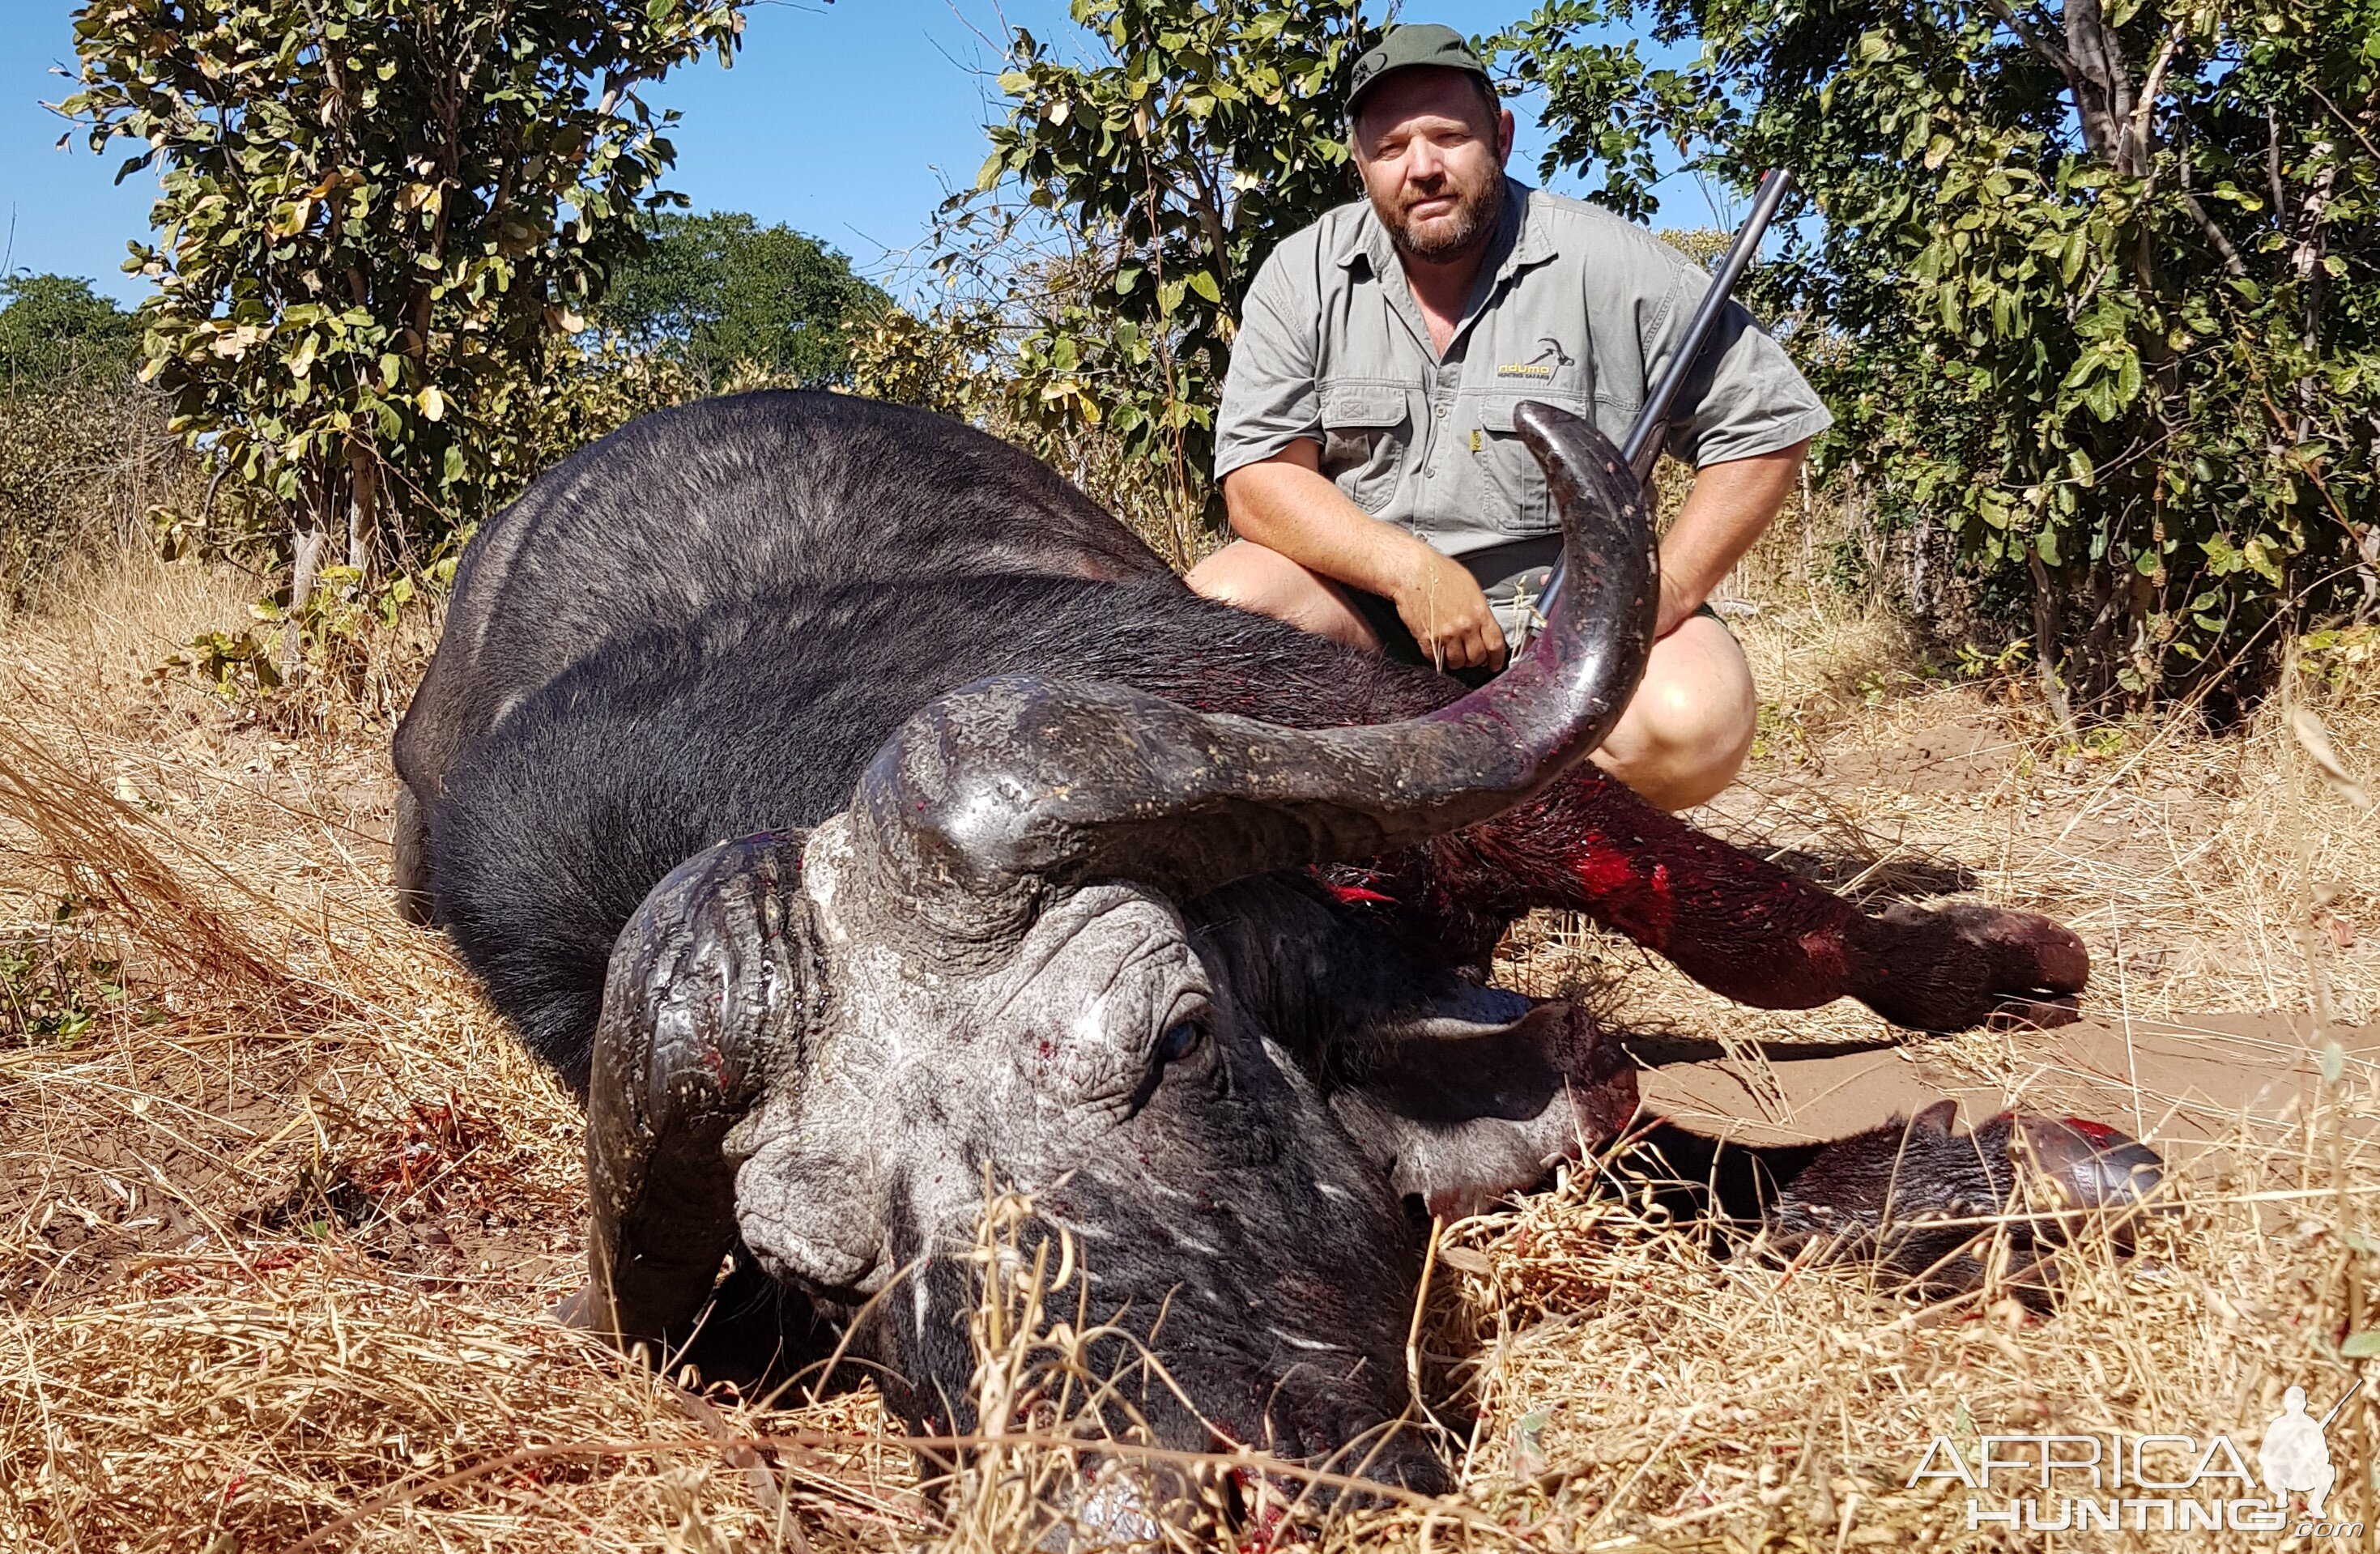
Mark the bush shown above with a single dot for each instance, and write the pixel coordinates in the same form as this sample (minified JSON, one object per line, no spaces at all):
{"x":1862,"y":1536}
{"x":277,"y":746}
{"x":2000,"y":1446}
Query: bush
{"x":84,"y":452}
{"x":55,"y":331}
{"x":2129,"y":356}
{"x":721,"y":293}
{"x":82,"y":466}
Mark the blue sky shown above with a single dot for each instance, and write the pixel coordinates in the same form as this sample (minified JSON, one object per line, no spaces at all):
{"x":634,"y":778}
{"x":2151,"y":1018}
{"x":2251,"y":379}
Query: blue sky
{"x":846,"y":120}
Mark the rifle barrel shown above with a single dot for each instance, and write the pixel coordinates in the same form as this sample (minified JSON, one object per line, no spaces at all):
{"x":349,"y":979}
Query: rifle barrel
{"x":1643,"y":449}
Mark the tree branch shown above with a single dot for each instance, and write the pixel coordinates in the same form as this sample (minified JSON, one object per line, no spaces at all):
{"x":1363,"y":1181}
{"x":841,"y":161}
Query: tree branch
{"x":2058,"y":57}
{"x":2145,"y":109}
{"x":2273,"y":169}
{"x":2352,"y":128}
{"x":2232,"y":263}
{"x":2155,"y":80}
{"x":2102,"y":86}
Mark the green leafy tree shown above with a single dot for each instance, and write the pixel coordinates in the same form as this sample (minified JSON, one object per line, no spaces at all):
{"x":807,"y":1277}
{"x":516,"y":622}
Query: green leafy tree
{"x":1202,"y":133}
{"x":55,"y":329}
{"x":723,"y":292}
{"x":375,"y":217}
{"x":2100,"y":284}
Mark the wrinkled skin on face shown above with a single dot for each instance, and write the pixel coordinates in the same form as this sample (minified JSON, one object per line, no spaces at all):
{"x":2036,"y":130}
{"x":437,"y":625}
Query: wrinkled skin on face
{"x":1240,"y":1110}
{"x":1230,"y":1147}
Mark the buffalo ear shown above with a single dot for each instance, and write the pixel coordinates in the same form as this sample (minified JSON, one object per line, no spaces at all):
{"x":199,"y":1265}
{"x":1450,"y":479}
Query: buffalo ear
{"x":1483,"y":1093}
{"x":708,"y":982}
{"x":1937,"y":1117}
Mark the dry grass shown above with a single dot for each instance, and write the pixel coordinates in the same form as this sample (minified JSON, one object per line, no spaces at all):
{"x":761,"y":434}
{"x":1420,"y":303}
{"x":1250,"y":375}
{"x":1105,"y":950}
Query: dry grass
{"x":282,"y":1209}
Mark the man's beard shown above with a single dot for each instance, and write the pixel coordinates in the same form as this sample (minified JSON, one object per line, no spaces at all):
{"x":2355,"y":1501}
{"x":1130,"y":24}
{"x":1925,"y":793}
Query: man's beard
{"x":1470,"y":225}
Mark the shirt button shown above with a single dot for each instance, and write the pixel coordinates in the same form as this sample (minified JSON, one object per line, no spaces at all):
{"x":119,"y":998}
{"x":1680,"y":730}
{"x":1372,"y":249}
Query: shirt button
{"x":1441,"y":412}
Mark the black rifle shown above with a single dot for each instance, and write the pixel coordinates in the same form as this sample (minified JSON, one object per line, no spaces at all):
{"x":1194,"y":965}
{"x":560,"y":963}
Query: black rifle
{"x":1643,"y":449}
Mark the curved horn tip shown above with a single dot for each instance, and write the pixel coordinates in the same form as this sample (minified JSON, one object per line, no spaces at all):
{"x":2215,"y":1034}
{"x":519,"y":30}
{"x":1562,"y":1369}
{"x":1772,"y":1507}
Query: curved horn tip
{"x":1551,"y":432}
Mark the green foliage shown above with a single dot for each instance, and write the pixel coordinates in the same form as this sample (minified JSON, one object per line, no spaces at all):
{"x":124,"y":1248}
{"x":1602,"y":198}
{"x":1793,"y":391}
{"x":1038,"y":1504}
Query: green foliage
{"x":55,"y":331}
{"x":2100,"y":289}
{"x":723,"y":292}
{"x":2335,"y":657}
{"x":52,"y":989}
{"x":228,"y":663}
{"x":959,"y":359}
{"x":84,"y":449}
{"x":1203,"y":133}
{"x":376,"y":216}
{"x":942,"y":362}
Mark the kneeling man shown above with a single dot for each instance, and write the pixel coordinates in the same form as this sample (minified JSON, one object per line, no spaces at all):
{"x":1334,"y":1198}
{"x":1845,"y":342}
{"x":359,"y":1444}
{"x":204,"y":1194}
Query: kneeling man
{"x":1366,"y":444}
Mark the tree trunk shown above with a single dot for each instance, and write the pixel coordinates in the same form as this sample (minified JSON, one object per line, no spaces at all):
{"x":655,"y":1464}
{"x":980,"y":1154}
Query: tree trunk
{"x":308,"y":558}
{"x":1921,"y":540}
{"x":2045,"y":644}
{"x":363,"y":517}
{"x":2102,"y":84}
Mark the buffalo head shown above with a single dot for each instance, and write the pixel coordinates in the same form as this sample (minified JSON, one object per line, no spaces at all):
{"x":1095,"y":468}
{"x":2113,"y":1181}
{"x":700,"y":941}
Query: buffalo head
{"x":1050,"y":944}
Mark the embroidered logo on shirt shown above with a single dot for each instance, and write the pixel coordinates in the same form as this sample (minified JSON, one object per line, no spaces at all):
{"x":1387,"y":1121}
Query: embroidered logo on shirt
{"x":1540,"y":367}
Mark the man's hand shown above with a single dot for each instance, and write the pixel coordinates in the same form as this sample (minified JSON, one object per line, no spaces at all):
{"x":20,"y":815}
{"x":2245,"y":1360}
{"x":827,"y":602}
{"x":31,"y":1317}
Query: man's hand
{"x":1442,"y":605}
{"x":1729,"y":504}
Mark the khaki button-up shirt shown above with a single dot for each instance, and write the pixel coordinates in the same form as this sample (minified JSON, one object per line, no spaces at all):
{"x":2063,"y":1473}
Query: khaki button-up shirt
{"x":1574,"y":306}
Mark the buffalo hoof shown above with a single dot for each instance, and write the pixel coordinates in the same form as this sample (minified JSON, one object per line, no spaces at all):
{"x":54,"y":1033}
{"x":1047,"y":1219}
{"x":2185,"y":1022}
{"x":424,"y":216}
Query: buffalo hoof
{"x":1962,"y":965}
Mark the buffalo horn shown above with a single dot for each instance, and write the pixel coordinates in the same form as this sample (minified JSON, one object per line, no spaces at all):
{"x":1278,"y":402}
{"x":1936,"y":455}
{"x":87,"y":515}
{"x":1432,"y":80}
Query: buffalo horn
{"x":1010,"y":785}
{"x":706,"y":983}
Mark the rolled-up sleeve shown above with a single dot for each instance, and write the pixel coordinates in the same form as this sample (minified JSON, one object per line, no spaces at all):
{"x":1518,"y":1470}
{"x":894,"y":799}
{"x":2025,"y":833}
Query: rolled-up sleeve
{"x":1271,"y":396}
{"x":1745,"y":397}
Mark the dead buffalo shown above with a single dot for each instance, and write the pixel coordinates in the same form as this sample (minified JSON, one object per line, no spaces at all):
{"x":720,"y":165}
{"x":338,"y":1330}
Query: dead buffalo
{"x":855,"y":812}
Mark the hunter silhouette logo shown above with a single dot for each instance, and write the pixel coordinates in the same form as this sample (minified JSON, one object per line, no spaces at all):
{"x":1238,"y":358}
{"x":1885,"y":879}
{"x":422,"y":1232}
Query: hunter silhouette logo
{"x":2295,"y":1459}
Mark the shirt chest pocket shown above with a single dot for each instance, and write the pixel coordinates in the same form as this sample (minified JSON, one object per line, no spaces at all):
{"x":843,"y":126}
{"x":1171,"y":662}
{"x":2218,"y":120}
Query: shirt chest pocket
{"x":1519,"y":502}
{"x":1367,"y":435}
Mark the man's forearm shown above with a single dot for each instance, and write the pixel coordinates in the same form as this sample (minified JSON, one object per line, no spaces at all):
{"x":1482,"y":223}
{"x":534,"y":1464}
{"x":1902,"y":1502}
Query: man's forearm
{"x":1731,"y":504}
{"x":1287,"y":505}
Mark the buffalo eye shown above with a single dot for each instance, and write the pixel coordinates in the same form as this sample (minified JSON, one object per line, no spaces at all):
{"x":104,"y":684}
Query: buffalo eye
{"x":1180,"y":1040}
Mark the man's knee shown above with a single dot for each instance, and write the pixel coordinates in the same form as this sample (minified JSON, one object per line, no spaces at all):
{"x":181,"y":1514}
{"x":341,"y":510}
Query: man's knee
{"x":1244,"y":575}
{"x":1248,"y":577}
{"x":1686,"y":733}
{"x":1709,"y":716}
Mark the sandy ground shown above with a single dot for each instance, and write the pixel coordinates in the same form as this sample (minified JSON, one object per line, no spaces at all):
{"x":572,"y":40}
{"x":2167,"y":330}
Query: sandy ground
{"x":282,"y":1208}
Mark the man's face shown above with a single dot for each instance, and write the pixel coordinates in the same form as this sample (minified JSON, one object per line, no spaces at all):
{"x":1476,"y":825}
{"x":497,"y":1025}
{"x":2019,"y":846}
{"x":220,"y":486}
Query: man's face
{"x":1432,"y":154}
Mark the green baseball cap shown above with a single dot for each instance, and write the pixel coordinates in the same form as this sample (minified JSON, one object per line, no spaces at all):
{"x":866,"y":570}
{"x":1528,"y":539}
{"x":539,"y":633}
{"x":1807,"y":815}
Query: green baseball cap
{"x":1405,"y":48}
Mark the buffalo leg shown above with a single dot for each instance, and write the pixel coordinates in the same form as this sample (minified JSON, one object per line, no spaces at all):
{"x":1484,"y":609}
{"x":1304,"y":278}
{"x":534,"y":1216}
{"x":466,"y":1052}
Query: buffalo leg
{"x":409,"y":862}
{"x":1919,"y":1201}
{"x":1738,"y":925}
